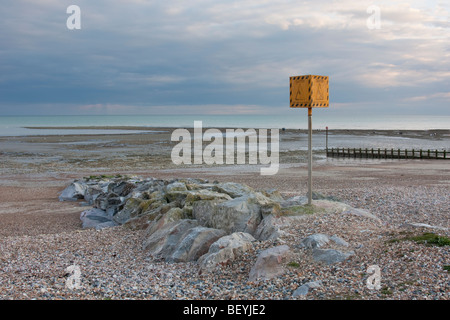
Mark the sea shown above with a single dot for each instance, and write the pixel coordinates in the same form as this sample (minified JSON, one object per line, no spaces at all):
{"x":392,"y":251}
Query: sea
{"x":66,"y":125}
{"x":17,"y":125}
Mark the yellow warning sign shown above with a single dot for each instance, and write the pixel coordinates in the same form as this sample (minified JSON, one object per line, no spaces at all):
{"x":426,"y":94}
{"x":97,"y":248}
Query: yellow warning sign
{"x":309,"y":91}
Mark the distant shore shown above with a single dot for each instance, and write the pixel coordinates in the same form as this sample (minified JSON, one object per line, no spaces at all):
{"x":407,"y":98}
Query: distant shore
{"x":445,"y":132}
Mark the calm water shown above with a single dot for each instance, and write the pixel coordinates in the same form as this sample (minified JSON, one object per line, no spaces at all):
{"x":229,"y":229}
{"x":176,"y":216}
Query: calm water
{"x":15,"y":125}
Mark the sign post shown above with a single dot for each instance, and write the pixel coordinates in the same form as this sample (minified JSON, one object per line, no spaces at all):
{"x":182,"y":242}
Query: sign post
{"x":309,"y":91}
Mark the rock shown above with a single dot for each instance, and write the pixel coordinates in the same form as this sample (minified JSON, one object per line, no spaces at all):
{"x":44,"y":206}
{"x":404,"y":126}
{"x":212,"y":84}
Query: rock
{"x":176,"y":191}
{"x":162,"y":218}
{"x":269,"y":263}
{"x":241,"y":214}
{"x":181,"y":241}
{"x":122,"y":188}
{"x":304,"y":289}
{"x":93,"y":217}
{"x":176,"y":186}
{"x":198,"y":186}
{"x":339,"y":241}
{"x":236,"y":215}
{"x":108,"y":201}
{"x":204,"y":194}
{"x":234,"y":190}
{"x":319,"y":196}
{"x":330,"y":256}
{"x":131,"y":209}
{"x":294,"y":201}
{"x":361,"y":213}
{"x":91,"y":194}
{"x":268,"y":229}
{"x":271,"y":208}
{"x":162,"y":242}
{"x":273,"y":194}
{"x":301,"y":291}
{"x":195,"y":181}
{"x":107,"y":224}
{"x":142,"y":221}
{"x":73,"y":192}
{"x":225,"y":249}
{"x":194,"y":243}
{"x":421,"y":225}
{"x":202,"y":209}
{"x":149,"y":186}
{"x":331,"y":207}
{"x":315,"y":241}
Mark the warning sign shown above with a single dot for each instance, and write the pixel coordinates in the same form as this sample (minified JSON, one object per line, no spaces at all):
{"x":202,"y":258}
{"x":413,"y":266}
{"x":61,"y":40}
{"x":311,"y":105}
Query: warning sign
{"x":309,"y":91}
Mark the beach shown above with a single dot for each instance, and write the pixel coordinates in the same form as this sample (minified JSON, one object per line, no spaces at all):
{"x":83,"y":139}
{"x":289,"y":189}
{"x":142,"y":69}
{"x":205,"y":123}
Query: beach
{"x":41,"y":236}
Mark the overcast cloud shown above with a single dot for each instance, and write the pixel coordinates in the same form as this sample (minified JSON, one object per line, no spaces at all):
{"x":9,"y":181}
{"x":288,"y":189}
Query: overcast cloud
{"x":221,"y":57}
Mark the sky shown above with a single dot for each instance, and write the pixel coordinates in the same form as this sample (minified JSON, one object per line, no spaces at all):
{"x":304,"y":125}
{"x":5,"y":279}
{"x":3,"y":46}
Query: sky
{"x":222,"y":56}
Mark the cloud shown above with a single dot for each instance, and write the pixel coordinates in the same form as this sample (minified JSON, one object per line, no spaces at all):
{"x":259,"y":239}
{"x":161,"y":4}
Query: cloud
{"x":142,"y":56}
{"x":435,"y":96}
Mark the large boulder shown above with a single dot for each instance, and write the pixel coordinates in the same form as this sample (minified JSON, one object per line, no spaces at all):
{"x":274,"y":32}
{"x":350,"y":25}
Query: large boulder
{"x":92,"y":193}
{"x":176,"y":186}
{"x":108,"y":201}
{"x":181,"y":241}
{"x":194,"y":243}
{"x":131,"y":209}
{"x":204,"y":194}
{"x":240,"y":214}
{"x":162,"y":242}
{"x":232,"y":189}
{"x":164,"y":216}
{"x":270,"y":263}
{"x":75,"y":191}
{"x":94,"y":217}
{"x":154,"y":219}
{"x":268,"y":229}
{"x":234,"y":215}
{"x":225,"y":250}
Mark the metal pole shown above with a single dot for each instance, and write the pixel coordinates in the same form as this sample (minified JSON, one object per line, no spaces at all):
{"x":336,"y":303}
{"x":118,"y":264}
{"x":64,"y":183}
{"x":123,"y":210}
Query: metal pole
{"x":326,"y":144}
{"x":309,"y":156}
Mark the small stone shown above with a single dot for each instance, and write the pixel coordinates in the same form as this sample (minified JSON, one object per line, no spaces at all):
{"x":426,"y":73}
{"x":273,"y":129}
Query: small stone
{"x":269,"y":263}
{"x":315,"y":241}
{"x":330,"y":256}
{"x":304,"y":289}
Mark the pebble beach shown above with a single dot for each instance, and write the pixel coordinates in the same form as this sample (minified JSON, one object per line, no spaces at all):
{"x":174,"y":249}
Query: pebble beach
{"x":40,"y":237}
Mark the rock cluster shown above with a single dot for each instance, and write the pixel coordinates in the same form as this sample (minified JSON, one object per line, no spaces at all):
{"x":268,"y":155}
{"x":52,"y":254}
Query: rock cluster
{"x":185,"y":219}
{"x":214,"y":223}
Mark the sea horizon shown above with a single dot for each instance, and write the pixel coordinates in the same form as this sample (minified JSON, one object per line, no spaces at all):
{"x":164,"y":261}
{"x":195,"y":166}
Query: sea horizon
{"x":20,"y":125}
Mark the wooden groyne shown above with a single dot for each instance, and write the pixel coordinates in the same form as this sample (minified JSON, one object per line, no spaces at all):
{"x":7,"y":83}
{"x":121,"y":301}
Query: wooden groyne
{"x":388,"y":153}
